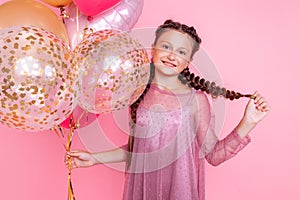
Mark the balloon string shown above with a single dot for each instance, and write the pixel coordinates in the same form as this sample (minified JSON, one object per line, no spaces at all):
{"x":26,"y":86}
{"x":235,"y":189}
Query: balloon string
{"x":67,"y":147}
{"x":80,"y":117}
{"x":69,"y":143}
{"x":70,"y":188}
{"x":77,"y":24}
{"x":59,"y":136}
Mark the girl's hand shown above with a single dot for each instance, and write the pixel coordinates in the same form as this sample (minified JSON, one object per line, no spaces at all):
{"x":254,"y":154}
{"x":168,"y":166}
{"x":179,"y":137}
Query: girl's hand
{"x":80,"y":159}
{"x":256,"y":109}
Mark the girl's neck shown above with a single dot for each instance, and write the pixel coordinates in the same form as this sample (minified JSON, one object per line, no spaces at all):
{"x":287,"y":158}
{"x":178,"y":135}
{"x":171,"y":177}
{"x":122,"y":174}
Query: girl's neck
{"x":171,"y":83}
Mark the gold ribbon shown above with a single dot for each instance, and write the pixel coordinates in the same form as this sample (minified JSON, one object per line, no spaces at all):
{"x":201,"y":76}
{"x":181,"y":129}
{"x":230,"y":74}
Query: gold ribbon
{"x":61,"y":133}
{"x":69,"y":143}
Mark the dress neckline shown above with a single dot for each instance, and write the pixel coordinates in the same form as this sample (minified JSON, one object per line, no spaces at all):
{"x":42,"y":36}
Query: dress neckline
{"x":169,"y":92}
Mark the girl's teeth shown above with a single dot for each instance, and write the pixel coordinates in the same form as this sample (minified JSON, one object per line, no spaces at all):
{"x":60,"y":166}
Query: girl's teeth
{"x":169,"y":64}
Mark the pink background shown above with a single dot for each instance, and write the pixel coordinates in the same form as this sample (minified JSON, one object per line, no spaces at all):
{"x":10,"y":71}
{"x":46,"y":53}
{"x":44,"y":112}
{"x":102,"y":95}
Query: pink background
{"x":255,"y":46}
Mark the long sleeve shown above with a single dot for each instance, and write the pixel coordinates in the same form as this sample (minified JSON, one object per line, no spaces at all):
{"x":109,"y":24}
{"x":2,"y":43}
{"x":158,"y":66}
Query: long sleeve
{"x":214,"y":150}
{"x":227,"y":148}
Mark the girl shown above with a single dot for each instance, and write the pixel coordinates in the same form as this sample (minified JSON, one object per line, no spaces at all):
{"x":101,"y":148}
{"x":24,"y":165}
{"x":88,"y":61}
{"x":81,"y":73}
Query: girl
{"x":172,"y":125}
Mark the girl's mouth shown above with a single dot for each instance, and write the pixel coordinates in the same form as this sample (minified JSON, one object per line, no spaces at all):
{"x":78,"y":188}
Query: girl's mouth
{"x":169,"y":64}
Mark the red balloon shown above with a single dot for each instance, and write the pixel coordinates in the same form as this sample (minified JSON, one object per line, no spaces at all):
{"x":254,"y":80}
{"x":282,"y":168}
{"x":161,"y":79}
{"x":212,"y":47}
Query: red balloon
{"x":93,"y":7}
{"x":81,"y":117}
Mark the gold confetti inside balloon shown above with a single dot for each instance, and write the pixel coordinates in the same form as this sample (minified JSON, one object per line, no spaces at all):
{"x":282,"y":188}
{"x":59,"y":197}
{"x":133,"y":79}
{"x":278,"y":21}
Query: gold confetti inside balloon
{"x":38,"y":78}
{"x":115,"y":70}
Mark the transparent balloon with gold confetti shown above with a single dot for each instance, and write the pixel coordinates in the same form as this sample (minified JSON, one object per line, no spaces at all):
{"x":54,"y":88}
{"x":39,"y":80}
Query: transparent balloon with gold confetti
{"x":38,"y":78}
{"x":115,"y":70}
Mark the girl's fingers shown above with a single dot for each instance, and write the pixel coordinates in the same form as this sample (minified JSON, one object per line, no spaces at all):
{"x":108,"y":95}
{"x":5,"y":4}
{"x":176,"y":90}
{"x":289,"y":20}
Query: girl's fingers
{"x":257,"y":97}
{"x":260,"y":101}
{"x":73,"y":163}
{"x":266,"y":109}
{"x":67,"y":157}
{"x":254,"y":95}
{"x":74,"y":153}
{"x":261,"y":104}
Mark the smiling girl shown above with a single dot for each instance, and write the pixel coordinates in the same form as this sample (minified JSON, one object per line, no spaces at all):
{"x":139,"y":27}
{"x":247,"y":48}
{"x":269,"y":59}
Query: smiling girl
{"x":172,"y":125}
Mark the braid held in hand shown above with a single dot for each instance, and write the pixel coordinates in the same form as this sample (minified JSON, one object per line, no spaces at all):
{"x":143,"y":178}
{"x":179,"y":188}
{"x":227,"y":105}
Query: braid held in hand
{"x":188,"y":78}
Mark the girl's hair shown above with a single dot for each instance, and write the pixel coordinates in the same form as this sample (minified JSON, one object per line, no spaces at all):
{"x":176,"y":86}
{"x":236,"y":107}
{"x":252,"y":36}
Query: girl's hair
{"x":186,"y":77}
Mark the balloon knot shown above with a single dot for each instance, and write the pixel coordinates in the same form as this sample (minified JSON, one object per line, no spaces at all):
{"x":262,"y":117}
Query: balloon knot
{"x":90,"y":18}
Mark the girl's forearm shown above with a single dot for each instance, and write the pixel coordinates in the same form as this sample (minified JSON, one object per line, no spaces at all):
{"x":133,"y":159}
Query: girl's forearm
{"x":111,"y":156}
{"x":244,"y":127}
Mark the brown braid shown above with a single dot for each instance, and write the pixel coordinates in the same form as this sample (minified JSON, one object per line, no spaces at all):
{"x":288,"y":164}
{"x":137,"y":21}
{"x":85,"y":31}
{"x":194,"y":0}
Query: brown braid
{"x":133,"y":109}
{"x":188,"y":78}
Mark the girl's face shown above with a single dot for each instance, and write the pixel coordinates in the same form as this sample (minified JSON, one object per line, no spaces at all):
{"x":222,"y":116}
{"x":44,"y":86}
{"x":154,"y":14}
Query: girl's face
{"x":172,"y":52}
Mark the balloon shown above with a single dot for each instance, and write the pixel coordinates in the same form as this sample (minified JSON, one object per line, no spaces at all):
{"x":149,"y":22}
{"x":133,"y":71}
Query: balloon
{"x":57,"y":3}
{"x":81,"y":117}
{"x":39,"y":78}
{"x":93,"y":7}
{"x":31,"y":13}
{"x":115,"y":71}
{"x":123,"y":17}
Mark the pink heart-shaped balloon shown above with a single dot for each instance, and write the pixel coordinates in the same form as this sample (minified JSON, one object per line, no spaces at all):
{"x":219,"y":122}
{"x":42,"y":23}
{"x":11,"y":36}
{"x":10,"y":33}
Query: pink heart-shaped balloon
{"x":93,"y":7}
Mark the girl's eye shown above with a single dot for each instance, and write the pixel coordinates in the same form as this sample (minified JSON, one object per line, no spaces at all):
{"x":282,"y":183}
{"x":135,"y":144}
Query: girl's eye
{"x":165,"y":46}
{"x":182,"y":53}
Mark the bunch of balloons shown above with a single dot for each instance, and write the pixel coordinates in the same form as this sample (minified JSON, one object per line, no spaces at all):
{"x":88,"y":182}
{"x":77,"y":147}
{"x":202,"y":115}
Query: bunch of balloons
{"x":83,"y":62}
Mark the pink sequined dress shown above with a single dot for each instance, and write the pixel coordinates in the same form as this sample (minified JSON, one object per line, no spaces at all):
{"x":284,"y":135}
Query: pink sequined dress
{"x":174,"y":134}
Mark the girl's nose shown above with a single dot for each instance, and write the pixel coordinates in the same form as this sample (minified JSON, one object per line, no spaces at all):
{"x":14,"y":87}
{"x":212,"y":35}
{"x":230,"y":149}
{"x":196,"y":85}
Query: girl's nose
{"x":171,"y":55}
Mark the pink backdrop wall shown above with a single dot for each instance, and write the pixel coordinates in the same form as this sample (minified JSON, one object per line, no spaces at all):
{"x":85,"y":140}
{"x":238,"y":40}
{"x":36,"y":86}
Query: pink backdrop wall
{"x":255,"y":46}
